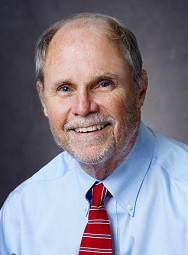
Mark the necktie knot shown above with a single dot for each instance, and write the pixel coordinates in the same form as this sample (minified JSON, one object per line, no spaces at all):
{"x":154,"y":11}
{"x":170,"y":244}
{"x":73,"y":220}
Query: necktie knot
{"x":99,"y":194}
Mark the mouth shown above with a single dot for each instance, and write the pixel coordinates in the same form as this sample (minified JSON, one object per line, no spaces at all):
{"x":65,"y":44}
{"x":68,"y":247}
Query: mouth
{"x":90,"y":128}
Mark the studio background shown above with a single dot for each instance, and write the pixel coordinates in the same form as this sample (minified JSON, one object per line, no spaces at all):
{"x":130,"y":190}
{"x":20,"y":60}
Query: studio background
{"x":162,"y":33}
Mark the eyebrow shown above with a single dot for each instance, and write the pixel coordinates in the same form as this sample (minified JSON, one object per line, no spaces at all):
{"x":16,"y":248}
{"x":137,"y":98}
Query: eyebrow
{"x":107,"y":76}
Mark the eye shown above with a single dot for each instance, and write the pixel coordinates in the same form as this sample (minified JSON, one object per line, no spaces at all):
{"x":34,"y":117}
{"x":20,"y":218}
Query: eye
{"x":65,"y":89}
{"x":105,"y":84}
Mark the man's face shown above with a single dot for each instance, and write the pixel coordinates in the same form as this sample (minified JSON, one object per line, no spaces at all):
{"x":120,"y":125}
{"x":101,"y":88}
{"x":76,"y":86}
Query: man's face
{"x":89,"y":96}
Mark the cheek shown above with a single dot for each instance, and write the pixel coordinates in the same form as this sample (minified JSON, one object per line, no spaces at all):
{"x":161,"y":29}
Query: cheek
{"x":116,"y":107}
{"x":124,"y":111}
{"x":57,"y":115}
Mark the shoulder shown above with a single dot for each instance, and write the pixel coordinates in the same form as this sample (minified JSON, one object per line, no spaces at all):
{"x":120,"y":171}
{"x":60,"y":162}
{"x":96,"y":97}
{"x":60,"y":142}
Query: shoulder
{"x":36,"y":198}
{"x":171,"y":155}
{"x":48,"y":177}
{"x":56,"y":168}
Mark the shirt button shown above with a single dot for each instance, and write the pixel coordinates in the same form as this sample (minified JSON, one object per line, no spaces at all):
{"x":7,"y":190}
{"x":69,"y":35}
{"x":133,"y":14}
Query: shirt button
{"x":130,"y":207}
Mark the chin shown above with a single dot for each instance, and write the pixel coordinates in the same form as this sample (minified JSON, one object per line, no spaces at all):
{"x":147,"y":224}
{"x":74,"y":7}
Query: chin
{"x":90,"y":160}
{"x":93,"y":155}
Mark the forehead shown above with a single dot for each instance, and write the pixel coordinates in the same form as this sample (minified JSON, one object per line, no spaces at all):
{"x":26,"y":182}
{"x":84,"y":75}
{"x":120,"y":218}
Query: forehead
{"x":68,"y":38}
{"x":78,"y":35}
{"x":83,"y":52}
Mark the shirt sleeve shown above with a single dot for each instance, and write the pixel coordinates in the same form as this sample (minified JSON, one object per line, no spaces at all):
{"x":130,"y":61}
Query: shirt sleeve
{"x":10,"y":227}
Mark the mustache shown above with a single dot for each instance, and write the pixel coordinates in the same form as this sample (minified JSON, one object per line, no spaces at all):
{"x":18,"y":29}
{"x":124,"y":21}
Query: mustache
{"x":94,"y":119}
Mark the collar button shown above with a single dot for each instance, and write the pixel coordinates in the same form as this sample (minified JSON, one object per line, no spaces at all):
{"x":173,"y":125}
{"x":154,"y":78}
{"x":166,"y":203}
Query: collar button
{"x":130,"y":207}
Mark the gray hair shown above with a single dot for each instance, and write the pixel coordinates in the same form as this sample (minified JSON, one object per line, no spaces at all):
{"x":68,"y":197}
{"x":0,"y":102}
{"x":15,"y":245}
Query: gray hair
{"x":114,"y":29}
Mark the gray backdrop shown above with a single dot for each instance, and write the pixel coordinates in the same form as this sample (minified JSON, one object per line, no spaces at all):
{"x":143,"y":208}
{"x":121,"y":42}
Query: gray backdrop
{"x":161,"y":30}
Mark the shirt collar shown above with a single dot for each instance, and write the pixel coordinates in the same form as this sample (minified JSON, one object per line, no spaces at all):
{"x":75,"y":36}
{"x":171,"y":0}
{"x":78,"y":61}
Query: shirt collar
{"x":86,"y":181}
{"x":125,"y":182}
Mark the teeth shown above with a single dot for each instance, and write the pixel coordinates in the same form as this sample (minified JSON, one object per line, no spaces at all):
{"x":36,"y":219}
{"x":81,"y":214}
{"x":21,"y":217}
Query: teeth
{"x":89,"y":129}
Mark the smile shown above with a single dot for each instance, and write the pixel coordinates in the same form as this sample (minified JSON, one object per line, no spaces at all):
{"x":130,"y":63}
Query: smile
{"x":89,"y":129}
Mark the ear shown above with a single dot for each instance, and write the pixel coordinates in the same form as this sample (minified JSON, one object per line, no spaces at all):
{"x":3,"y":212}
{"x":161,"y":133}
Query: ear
{"x":40,"y":90}
{"x":143,"y":87}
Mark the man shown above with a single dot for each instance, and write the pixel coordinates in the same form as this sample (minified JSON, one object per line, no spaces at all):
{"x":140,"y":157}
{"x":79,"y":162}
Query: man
{"x":92,"y":86}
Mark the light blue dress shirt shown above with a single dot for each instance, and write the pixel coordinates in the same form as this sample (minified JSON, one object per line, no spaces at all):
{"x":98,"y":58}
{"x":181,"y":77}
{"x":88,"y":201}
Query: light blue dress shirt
{"x":148,"y":210}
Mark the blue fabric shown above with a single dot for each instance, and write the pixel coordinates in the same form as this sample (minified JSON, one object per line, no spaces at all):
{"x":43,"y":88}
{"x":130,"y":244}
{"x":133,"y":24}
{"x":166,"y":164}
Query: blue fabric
{"x":148,"y":210}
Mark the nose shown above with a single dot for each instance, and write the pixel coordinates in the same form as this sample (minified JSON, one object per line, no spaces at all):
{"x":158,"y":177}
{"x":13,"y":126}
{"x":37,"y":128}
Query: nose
{"x":83,"y":104}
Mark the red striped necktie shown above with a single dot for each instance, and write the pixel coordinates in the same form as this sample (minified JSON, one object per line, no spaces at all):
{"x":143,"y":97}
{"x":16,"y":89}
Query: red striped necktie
{"x":97,"y":236}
